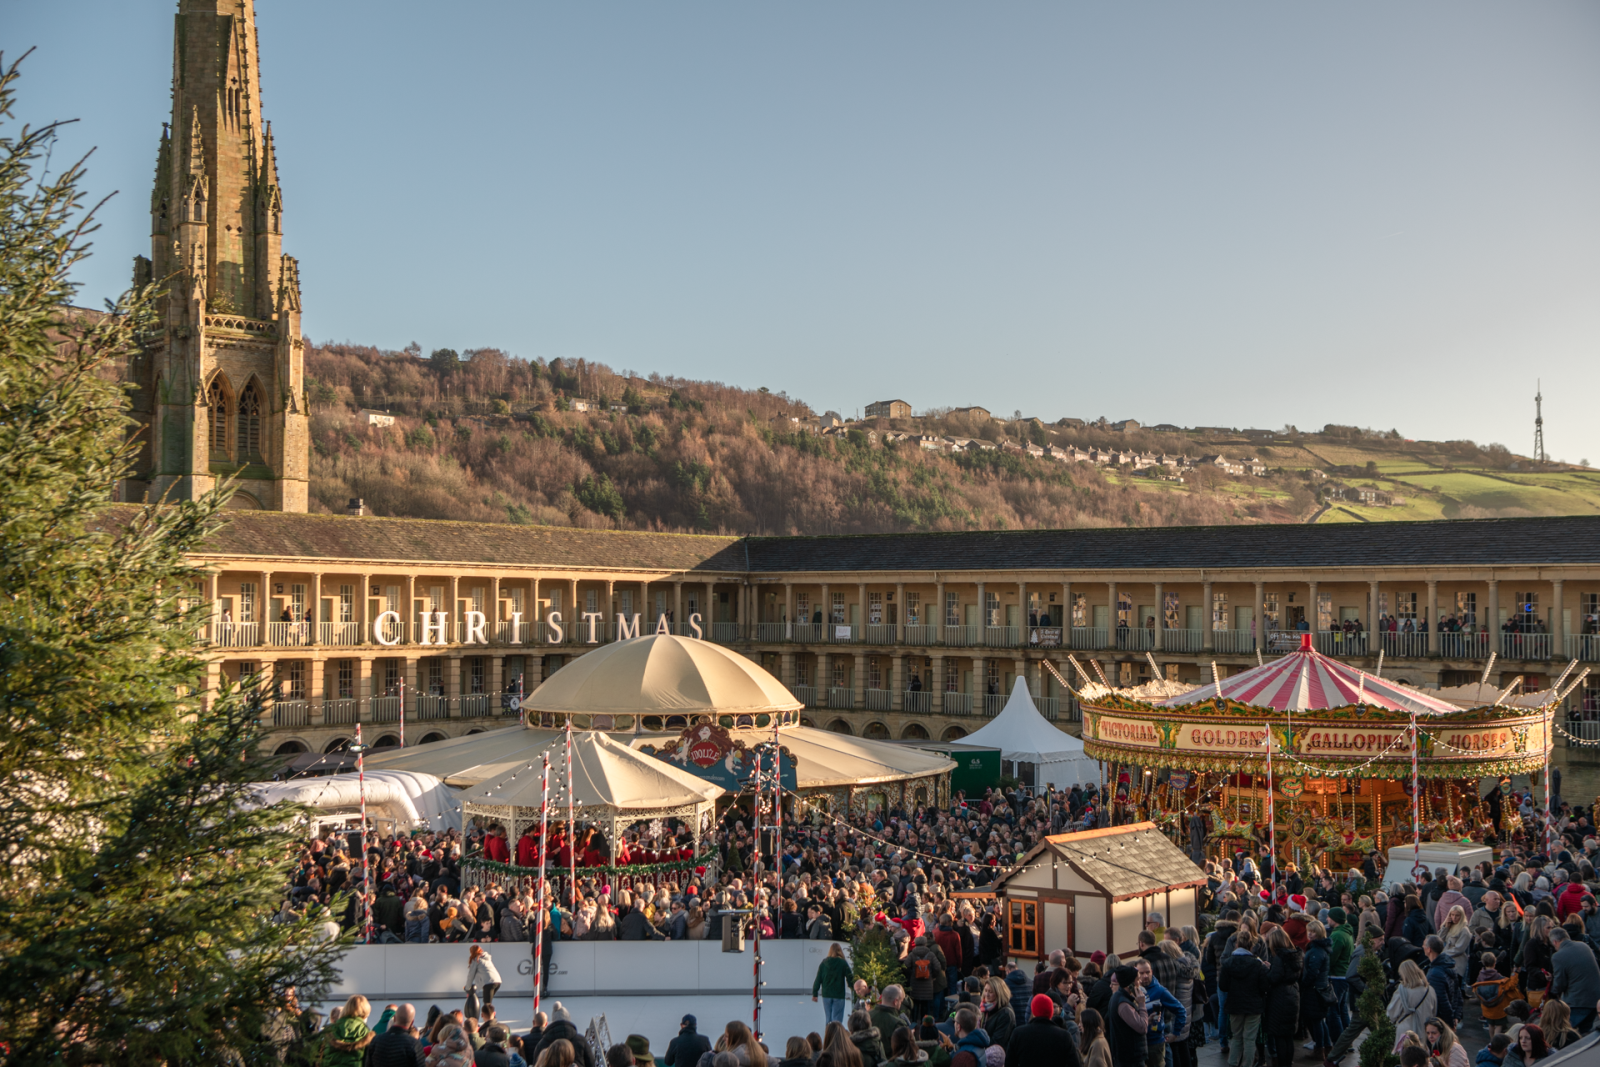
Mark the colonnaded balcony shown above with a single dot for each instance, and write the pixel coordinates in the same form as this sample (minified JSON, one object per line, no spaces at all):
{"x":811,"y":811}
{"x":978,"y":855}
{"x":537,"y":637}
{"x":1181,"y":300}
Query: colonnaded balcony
{"x":301,"y":712}
{"x":539,"y":635}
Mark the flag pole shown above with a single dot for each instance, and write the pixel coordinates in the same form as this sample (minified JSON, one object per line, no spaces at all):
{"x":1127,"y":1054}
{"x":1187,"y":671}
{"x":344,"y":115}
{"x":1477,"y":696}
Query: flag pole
{"x":544,"y":910}
{"x":366,"y":875}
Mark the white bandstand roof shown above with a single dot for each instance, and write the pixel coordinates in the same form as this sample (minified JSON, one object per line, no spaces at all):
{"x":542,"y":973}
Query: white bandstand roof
{"x":662,"y":674}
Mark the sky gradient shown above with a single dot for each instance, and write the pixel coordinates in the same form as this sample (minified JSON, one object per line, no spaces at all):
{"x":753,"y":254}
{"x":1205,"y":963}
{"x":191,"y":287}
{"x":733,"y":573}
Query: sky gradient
{"x":1235,"y":214}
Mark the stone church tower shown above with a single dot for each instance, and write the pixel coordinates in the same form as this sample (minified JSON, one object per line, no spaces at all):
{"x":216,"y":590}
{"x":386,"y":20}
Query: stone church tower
{"x":220,"y":390}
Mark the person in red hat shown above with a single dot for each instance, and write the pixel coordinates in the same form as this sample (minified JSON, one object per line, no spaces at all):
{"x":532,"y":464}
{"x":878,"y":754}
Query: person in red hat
{"x":1043,"y":1038}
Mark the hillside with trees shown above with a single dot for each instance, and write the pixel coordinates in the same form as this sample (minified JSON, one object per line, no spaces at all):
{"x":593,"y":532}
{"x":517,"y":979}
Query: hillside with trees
{"x":485,"y":436}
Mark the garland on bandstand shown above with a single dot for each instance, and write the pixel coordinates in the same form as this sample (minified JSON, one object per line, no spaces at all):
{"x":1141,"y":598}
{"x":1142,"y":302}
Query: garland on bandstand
{"x":511,"y":870}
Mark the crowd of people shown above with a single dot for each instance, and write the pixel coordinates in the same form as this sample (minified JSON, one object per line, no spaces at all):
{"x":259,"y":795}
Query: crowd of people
{"x":1502,"y":954}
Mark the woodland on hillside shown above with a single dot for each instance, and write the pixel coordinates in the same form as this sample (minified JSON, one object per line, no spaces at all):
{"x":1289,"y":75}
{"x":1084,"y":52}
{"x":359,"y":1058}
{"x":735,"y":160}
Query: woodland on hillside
{"x":486,"y":437}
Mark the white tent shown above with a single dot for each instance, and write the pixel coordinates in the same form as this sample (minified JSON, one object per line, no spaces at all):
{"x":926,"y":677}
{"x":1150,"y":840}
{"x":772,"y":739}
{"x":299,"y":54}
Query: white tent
{"x":1024,"y":736}
{"x":411,"y":800}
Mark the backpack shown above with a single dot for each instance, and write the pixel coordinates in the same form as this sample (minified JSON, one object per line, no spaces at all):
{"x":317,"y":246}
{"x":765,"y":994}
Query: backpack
{"x":922,"y":970}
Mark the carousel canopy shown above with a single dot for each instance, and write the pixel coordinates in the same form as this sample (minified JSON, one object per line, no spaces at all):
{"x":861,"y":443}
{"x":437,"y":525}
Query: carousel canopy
{"x":1023,"y":735}
{"x":607,"y":777}
{"x":661,"y":674}
{"x":1306,"y":680}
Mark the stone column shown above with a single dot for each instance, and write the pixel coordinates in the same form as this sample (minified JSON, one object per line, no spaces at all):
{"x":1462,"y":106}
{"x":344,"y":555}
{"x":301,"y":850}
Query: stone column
{"x":1557,"y":631}
{"x":1433,"y":616}
{"x":678,"y":623}
{"x":610,"y":609}
{"x":363,"y":610}
{"x":1492,"y":624}
{"x":1313,"y":614}
{"x":827,"y":615}
{"x":409,"y":671}
{"x":314,"y":630}
{"x":574,"y":614}
{"x":788,"y":613}
{"x":314,"y":691}
{"x":1019,"y":668}
{"x":1373,"y":642}
{"x":361,"y":688}
{"x":1261,"y":615}
{"x":264,"y":608}
{"x":453,"y":606}
{"x":1066,"y":614}
{"x":452,"y":682}
{"x":534,"y":615}
{"x":897,"y":687}
{"x":1208,"y":633}
{"x":786,"y":664}
{"x":495,"y":684}
{"x":408,"y":612}
{"x":938,"y":614}
{"x":983,"y":615}
{"x":1111,"y":614}
{"x":861,"y":680}
{"x":1022,"y":613}
{"x":899,"y":613}
{"x":861,"y":610}
{"x":936,"y":704}
{"x":492,"y":610}
{"x":1161,"y":617}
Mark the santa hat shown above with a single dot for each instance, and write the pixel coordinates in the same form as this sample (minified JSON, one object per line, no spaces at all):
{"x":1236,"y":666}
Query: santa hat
{"x":1299,"y":901}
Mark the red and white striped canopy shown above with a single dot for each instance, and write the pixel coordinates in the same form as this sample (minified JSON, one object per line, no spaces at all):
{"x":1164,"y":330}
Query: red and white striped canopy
{"x":1306,"y":680}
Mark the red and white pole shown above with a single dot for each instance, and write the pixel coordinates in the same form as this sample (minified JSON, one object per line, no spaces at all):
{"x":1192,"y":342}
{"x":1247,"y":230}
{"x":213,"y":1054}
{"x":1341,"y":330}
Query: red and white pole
{"x":544,"y":909}
{"x":755,"y":899}
{"x":366,"y":874}
{"x":572,"y":830}
{"x":1416,"y":800}
{"x":402,"y":711}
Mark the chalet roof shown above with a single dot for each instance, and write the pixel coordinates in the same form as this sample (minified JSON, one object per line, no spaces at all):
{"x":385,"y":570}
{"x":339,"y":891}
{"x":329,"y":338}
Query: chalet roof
{"x":277,"y":535}
{"x":1123,"y":861}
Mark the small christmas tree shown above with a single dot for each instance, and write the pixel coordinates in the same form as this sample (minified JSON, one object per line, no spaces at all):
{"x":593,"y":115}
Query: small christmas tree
{"x":1377,"y":1048}
{"x":873,"y":958}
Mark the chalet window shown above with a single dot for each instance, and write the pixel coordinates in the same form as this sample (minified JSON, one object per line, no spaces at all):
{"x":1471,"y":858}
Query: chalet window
{"x":1022,"y":927}
{"x":217,"y":412}
{"x":250,"y":423}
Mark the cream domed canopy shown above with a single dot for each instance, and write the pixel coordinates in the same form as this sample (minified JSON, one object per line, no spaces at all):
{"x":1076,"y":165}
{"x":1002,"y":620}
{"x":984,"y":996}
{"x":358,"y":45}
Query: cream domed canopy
{"x":662,"y":674}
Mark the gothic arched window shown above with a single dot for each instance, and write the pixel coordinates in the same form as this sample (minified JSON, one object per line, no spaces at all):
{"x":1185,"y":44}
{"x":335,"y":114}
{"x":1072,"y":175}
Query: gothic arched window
{"x":250,"y":422}
{"x":217,"y":411}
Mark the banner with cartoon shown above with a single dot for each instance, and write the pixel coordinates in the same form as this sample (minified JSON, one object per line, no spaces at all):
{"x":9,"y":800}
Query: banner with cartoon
{"x":710,"y":752}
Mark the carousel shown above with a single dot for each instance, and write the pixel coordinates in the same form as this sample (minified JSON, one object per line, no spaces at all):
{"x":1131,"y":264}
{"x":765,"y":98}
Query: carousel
{"x":1309,"y":758}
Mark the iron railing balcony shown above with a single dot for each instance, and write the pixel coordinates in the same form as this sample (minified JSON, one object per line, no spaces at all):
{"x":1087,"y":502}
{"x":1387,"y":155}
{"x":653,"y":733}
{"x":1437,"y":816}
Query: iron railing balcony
{"x":806,"y":694}
{"x":841,"y":697}
{"x":237,"y":634}
{"x":1233,"y":642}
{"x":384,"y":709}
{"x":1579,"y":646}
{"x":1525,"y":646}
{"x":476,"y":705}
{"x":339,"y":634}
{"x":957,"y":703}
{"x":961,"y":636}
{"x":768,"y":632}
{"x":341,"y":711}
{"x":291,"y":713}
{"x":1403,"y":645}
{"x":1135,"y":639}
{"x":993,"y":703}
{"x":1087,"y":638}
{"x":1049,"y":707}
{"x":882,"y":633}
{"x":1464,"y":645}
{"x":1002,"y":636}
{"x":921,"y":634}
{"x":1182,"y":641}
{"x":917,"y":703}
{"x":810,"y":633}
{"x":431,"y":706}
{"x":289,"y":634}
{"x":842,"y":633}
{"x":725,"y":633}
{"x":879,"y":699}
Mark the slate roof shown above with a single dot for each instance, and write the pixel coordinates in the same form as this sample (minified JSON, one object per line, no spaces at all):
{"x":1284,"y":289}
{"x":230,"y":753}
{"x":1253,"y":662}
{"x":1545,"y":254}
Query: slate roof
{"x":1125,"y":861}
{"x":277,"y":535}
{"x":1467,"y":542}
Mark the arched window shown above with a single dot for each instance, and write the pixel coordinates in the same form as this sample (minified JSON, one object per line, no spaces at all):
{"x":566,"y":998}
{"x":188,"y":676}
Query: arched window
{"x":250,"y":422}
{"x":217,"y":411}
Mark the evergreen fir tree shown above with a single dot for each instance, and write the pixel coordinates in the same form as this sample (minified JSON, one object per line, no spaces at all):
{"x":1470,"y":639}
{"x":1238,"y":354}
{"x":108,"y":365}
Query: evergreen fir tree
{"x":136,"y":887}
{"x":1377,"y":1048}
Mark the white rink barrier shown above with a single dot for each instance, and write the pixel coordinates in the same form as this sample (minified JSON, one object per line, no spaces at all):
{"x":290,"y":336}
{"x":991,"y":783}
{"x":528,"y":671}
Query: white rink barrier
{"x":583,"y":968}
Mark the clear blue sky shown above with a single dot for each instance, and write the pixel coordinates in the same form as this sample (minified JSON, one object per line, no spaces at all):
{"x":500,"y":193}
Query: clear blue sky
{"x":1245,"y":214}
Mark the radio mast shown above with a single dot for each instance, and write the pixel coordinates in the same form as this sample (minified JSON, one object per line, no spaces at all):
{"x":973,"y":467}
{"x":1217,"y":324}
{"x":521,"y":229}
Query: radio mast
{"x":1538,"y":425}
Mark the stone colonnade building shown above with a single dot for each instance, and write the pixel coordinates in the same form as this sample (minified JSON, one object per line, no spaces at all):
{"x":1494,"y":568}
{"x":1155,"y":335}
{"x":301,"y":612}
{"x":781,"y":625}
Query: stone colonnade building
{"x":363,"y":619}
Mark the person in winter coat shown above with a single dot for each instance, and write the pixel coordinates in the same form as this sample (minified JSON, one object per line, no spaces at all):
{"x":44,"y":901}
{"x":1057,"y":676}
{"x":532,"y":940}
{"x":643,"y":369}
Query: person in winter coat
{"x":997,"y":1019}
{"x":1042,"y":1039}
{"x":971,"y":1040}
{"x":925,"y":967}
{"x":1314,"y":975}
{"x":349,"y":1034}
{"x":1281,"y":1019}
{"x":864,"y":1036}
{"x":634,"y":926}
{"x":1020,"y":985}
{"x":1415,"y":927}
{"x":1413,"y":1003}
{"x":562,"y":1028}
{"x":686,"y":1049}
{"x":1243,"y":977}
{"x":452,"y":1049}
{"x":831,"y":983}
{"x":481,"y":976}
